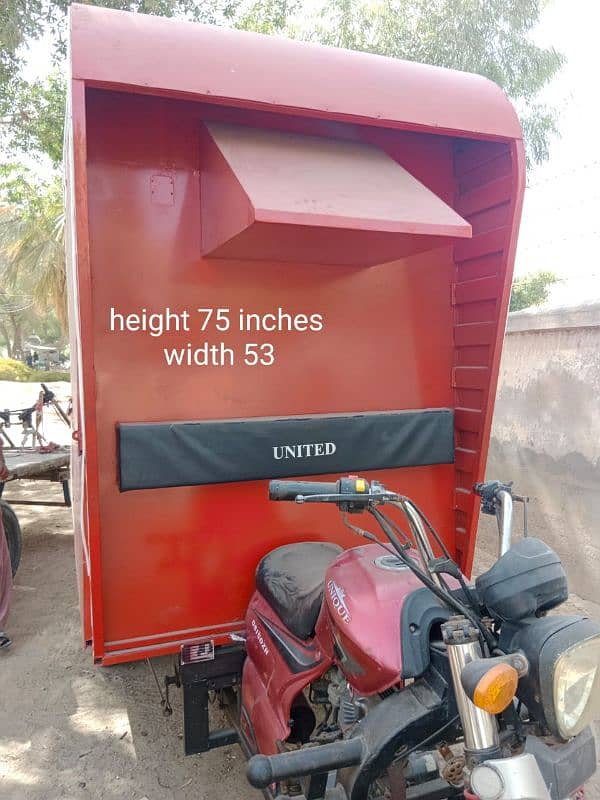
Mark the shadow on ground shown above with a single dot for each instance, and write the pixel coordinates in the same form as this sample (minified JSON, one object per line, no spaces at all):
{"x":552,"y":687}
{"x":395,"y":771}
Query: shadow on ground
{"x":72,"y":730}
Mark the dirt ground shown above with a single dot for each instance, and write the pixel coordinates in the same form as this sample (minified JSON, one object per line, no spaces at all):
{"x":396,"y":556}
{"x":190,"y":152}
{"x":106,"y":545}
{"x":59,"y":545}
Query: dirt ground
{"x":72,"y":730}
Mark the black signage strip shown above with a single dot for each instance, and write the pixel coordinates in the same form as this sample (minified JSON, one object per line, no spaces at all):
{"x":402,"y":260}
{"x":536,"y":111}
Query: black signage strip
{"x":164,"y":454}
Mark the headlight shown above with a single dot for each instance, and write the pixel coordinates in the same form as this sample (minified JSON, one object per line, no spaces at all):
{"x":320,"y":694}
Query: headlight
{"x":577,"y":687}
{"x":562,"y":689}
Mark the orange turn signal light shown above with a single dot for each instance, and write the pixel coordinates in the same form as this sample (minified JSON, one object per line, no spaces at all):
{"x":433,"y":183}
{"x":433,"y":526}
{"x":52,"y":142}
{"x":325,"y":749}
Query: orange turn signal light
{"x":496,"y":688}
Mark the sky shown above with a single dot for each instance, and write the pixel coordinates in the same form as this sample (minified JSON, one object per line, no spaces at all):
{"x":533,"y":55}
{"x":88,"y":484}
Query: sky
{"x":560,"y":229}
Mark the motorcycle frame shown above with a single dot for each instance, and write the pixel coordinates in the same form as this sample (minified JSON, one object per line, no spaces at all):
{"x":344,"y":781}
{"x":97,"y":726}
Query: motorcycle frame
{"x":425,"y":707}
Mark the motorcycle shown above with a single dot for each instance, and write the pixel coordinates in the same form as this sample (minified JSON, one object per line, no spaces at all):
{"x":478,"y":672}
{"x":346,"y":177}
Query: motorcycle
{"x":382,"y":673}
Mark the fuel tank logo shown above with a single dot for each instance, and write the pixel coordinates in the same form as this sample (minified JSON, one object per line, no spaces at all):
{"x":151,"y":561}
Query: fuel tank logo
{"x":261,"y":639}
{"x":338,"y":600}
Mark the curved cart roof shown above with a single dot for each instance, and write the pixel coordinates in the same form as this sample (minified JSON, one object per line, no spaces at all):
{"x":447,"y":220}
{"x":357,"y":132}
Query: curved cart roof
{"x":141,"y":53}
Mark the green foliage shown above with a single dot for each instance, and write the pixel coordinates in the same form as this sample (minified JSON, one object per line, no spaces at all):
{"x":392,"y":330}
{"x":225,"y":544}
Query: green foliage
{"x":489,"y":37}
{"x":34,"y":125}
{"x":11,"y":370}
{"x":32,"y":114}
{"x":267,"y":16}
{"x":41,"y":376}
{"x":531,"y":290}
{"x":32,"y":242}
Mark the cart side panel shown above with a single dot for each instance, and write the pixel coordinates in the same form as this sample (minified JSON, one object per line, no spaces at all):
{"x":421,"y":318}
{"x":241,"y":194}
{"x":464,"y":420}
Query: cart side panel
{"x":489,"y":190}
{"x":83,"y":456}
{"x":177,"y":562}
{"x":81,"y":556}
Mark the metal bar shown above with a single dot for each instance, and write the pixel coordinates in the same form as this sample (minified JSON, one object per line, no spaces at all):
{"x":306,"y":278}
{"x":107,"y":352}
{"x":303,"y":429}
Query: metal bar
{"x":66,"y":492}
{"x":53,"y":503}
{"x":61,"y":413}
{"x":7,"y":437}
{"x":504,"y":517}
{"x":479,"y":727}
{"x":317,"y":785}
{"x":422,"y":542}
{"x":437,"y":789}
{"x":195,"y":718}
{"x":264,"y":770}
{"x":223,"y":737}
{"x":197,"y":679}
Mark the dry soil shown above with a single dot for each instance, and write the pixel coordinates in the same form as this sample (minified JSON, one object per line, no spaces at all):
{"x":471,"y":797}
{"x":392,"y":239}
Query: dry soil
{"x":72,"y":730}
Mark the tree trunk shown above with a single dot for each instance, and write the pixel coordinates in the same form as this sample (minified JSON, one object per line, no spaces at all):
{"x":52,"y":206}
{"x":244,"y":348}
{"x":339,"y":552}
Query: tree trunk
{"x":17,"y":339}
{"x":7,"y":339}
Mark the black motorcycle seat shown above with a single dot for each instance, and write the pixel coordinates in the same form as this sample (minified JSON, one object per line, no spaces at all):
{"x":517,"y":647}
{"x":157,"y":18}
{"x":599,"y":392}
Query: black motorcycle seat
{"x":291,"y":579}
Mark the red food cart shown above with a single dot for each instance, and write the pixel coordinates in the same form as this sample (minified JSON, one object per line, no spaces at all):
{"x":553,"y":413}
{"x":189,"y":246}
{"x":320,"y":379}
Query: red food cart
{"x":285,"y":260}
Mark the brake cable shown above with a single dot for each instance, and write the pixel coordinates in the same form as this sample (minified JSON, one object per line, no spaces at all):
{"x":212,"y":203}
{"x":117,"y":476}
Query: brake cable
{"x":440,"y":593}
{"x":407,"y":540}
{"x":469,"y":595}
{"x":385,"y":522}
{"x":367,"y":534}
{"x":404,"y":754}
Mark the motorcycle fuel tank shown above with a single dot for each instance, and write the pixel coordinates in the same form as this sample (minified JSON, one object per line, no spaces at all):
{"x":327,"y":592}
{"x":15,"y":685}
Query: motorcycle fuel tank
{"x":365,"y":591}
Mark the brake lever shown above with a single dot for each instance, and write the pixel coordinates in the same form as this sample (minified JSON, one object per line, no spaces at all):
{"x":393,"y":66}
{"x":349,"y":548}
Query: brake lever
{"x":520,"y":498}
{"x":357,"y":497}
{"x":489,"y":491}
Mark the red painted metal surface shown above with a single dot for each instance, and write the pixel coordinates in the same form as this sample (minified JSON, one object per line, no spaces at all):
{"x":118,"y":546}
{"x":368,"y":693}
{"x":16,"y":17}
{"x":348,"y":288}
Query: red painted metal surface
{"x":292,"y":197}
{"x":235,"y":68}
{"x":366,"y":646}
{"x":269,"y":686}
{"x":354,"y":586}
{"x":157,"y":568}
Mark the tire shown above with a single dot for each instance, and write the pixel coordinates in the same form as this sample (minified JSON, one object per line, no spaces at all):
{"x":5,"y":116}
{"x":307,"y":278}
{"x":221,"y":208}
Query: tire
{"x":14,"y":537}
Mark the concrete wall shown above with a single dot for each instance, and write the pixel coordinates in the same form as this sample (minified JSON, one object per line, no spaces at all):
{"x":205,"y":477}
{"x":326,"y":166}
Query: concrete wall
{"x":546,"y":434}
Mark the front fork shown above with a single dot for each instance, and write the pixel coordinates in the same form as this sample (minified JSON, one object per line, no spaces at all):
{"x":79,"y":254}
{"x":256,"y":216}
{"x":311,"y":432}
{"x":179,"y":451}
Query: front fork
{"x":480,"y":728}
{"x":489,"y":776}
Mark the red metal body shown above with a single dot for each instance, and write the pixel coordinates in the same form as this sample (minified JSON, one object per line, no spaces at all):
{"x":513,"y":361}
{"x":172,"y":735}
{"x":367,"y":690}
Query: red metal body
{"x":268,"y":685}
{"x":361,"y":614}
{"x":363,"y":604}
{"x":158,"y":568}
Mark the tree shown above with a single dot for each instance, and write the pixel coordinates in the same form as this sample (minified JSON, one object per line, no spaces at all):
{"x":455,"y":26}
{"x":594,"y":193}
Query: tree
{"x":34,"y":122}
{"x":31,"y":114}
{"x":489,"y":37}
{"x":531,"y":290}
{"x":13,"y":312}
{"x":32,"y":243}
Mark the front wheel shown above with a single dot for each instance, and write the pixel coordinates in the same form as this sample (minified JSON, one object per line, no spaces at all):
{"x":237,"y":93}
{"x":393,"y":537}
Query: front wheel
{"x":14,"y":536}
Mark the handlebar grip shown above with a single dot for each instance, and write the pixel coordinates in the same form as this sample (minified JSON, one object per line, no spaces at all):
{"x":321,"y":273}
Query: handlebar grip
{"x":265,"y":770}
{"x":289,"y":490}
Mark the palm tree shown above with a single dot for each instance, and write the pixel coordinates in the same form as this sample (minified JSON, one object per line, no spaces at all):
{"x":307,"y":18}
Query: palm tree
{"x":32,"y":247}
{"x":13,"y":315}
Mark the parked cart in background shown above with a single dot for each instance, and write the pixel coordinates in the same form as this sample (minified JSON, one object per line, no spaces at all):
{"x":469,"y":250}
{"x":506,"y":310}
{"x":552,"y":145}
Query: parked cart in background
{"x":42,"y":460}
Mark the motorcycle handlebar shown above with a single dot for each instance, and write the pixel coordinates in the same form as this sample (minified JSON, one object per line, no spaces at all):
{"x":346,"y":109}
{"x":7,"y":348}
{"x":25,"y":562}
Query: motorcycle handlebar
{"x":265,"y":770}
{"x":289,"y":490}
